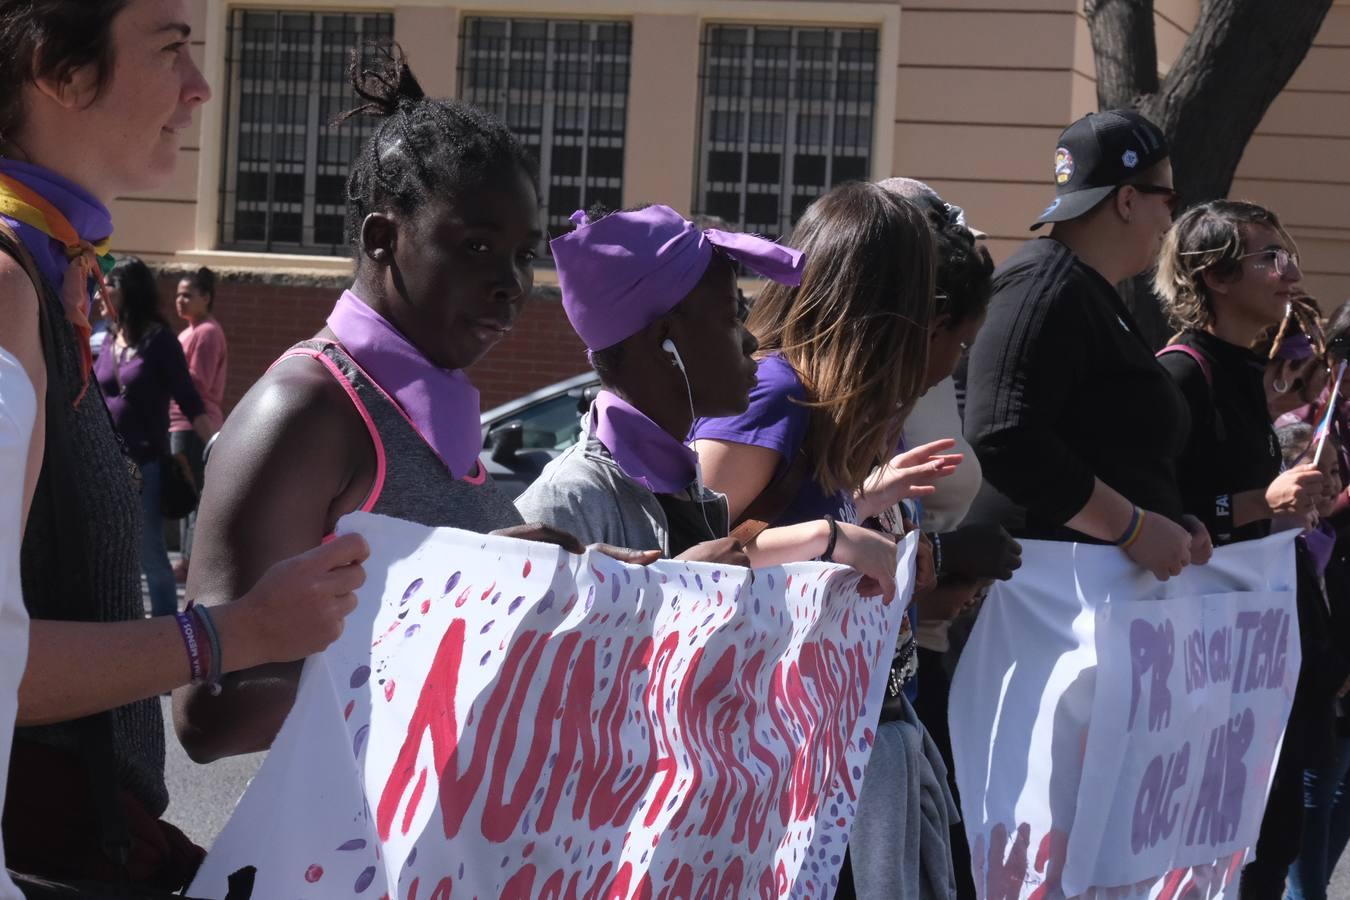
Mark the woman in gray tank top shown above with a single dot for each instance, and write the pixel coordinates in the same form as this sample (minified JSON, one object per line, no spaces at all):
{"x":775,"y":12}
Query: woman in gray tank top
{"x":375,"y":412}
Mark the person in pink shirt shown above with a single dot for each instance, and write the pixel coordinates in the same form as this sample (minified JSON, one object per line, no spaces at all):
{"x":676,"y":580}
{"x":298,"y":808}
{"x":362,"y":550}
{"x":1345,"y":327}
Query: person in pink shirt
{"x":204,"y":346}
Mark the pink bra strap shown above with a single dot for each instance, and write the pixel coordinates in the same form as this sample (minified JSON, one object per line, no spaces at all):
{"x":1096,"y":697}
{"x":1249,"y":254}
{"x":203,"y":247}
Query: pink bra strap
{"x":374,"y":495}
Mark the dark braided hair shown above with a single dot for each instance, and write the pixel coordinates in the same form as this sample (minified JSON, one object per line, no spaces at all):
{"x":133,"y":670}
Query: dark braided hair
{"x":424,"y":148}
{"x":965,"y":270}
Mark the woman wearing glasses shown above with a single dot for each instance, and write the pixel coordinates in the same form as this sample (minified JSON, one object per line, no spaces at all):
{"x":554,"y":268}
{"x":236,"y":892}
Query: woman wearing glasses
{"x":1227,"y":273}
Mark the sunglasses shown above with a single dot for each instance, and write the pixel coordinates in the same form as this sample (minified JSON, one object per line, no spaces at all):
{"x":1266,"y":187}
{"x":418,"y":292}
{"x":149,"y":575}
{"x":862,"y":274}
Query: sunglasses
{"x":1169,"y":195}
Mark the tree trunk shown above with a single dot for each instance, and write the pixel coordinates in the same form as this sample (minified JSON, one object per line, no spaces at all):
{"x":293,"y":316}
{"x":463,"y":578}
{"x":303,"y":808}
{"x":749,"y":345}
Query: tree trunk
{"x":1236,"y":61}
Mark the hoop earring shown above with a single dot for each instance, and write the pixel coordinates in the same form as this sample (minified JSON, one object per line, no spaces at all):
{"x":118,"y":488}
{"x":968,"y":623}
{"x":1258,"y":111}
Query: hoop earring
{"x":1280,"y":386}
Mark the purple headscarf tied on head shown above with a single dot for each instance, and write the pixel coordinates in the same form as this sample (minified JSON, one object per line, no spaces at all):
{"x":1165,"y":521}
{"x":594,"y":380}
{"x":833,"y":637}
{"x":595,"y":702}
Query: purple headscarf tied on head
{"x":623,"y":272}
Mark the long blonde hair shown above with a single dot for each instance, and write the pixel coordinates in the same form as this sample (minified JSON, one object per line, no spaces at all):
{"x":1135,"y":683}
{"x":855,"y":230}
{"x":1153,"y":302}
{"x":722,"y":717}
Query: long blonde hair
{"x":856,"y":329}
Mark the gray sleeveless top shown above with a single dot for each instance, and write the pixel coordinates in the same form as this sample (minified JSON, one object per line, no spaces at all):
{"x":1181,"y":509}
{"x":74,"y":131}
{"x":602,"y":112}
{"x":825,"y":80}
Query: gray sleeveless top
{"x":80,"y":559}
{"x":411,"y":482}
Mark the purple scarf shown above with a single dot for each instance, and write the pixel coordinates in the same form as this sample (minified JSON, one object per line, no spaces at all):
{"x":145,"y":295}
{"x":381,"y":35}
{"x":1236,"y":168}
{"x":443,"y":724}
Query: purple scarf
{"x":91,"y":219}
{"x":441,"y":404}
{"x":1320,"y":541}
{"x":643,"y":450}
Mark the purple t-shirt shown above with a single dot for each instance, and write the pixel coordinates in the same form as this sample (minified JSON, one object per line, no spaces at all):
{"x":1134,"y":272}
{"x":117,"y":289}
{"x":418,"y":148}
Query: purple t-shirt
{"x":777,"y":420}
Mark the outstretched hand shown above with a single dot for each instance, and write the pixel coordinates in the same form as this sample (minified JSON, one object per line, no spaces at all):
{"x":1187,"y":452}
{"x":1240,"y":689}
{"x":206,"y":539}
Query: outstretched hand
{"x":906,"y":475}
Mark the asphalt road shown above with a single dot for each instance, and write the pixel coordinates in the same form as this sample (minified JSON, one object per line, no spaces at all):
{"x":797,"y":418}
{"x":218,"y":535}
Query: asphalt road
{"x":203,"y":797}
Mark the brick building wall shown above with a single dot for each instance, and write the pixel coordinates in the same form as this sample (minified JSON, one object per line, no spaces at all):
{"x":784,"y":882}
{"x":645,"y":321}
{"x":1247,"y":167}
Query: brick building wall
{"x":261,"y":317}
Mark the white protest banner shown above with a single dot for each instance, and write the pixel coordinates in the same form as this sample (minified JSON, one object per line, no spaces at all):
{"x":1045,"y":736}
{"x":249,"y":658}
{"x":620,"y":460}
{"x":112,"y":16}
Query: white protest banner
{"x":503,"y":719}
{"x":1115,"y":735}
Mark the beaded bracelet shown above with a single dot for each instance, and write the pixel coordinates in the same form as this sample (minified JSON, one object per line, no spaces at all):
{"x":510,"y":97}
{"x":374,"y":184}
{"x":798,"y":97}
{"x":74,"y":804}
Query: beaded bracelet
{"x":936,"y":540}
{"x":828,"y":555}
{"x":207,"y":624}
{"x":190,"y":641}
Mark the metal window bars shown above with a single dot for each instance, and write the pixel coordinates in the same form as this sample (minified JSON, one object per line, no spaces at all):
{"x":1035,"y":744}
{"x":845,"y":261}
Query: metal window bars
{"x":562,"y":86}
{"x":786,"y":114}
{"x":283,"y":188}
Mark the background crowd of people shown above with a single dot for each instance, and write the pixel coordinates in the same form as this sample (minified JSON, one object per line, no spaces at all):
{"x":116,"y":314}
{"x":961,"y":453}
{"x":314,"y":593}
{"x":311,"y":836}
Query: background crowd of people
{"x":886,"y":378}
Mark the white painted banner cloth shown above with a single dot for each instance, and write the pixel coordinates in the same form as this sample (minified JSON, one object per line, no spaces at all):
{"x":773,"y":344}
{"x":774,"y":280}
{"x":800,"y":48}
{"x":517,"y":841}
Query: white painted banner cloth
{"x":1114,"y":732}
{"x":503,"y":719}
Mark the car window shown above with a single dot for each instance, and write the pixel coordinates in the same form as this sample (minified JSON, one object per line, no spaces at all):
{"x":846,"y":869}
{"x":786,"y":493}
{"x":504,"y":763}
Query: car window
{"x":551,"y":424}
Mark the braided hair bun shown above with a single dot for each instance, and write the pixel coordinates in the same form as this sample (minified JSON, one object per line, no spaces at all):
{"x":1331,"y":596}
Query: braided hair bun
{"x":423,"y":147}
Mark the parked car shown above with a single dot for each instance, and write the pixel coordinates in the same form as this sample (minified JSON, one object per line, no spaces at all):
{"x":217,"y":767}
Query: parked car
{"x":521,"y":437}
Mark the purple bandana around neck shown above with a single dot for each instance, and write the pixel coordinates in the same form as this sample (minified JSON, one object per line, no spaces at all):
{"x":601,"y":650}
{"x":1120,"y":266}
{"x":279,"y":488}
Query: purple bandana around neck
{"x":1320,"y":541}
{"x":442,"y":404}
{"x":91,"y":219}
{"x":643,"y":450}
{"x":623,"y":272}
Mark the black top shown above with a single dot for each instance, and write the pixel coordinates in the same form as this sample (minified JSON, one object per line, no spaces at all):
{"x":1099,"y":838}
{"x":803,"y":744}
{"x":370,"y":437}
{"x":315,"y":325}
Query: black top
{"x":1232,"y":446}
{"x":1061,"y":388}
{"x":81,"y":560}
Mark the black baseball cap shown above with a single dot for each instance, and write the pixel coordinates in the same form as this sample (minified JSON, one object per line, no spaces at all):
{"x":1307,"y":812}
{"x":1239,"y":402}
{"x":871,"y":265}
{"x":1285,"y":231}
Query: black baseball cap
{"x":1096,"y":155}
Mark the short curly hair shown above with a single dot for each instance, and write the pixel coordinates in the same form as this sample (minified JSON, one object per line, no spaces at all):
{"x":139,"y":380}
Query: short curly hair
{"x":1208,"y":237}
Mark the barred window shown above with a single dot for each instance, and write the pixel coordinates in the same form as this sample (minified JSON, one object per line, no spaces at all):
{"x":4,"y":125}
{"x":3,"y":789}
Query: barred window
{"x":786,"y":114}
{"x":562,"y":87}
{"x":284,"y":185}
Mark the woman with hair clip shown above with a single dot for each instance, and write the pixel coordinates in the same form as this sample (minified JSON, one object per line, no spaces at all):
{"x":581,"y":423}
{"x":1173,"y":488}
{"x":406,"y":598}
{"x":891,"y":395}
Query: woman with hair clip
{"x":842,"y":360}
{"x":204,"y":346}
{"x":976,"y":554}
{"x":141,"y":369}
{"x":1227,"y":272}
{"x":376,"y":412}
{"x":98,"y":95}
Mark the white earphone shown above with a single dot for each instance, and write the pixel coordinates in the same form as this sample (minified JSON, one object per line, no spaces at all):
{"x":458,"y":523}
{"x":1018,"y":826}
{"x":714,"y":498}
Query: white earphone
{"x":669,"y":346}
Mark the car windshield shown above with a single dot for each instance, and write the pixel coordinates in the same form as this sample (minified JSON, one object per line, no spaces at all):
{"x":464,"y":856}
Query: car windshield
{"x":552,"y":424}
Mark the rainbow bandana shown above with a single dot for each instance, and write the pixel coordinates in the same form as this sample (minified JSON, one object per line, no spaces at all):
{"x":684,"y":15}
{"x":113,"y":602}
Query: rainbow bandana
{"x":35,"y":214}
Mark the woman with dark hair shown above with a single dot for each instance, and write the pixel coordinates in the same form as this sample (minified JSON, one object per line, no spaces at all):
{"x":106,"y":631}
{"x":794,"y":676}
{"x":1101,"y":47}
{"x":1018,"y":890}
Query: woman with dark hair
{"x":974,"y":554}
{"x":97,"y":96}
{"x":206,"y":352}
{"x":1228,"y":270}
{"x":140,"y":369}
{"x":376,"y":412}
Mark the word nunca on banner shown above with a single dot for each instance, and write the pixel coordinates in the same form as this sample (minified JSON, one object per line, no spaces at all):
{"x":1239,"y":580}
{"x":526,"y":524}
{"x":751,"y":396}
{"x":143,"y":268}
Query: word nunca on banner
{"x":503,"y":719}
{"x":1117,"y":736}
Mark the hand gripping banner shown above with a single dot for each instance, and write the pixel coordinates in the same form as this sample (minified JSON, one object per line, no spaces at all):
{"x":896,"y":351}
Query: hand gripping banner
{"x":1116,"y":736}
{"x":503,"y":719}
